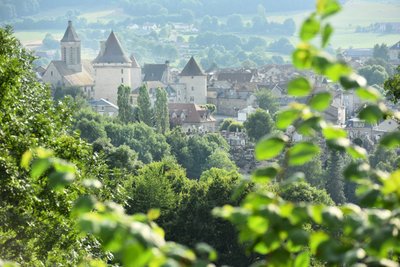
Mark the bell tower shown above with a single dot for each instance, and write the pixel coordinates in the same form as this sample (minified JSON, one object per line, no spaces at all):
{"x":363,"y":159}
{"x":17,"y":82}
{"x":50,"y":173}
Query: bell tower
{"x":71,"y":49}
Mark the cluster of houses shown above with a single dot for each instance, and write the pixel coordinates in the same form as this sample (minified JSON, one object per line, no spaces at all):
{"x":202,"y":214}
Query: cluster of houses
{"x":232,"y":91}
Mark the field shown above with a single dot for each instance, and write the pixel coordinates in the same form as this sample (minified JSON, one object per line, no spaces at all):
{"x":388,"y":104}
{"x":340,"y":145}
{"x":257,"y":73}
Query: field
{"x":356,"y":13}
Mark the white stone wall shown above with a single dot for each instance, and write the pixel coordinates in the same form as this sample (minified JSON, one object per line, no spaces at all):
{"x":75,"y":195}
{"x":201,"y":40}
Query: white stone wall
{"x":196,"y":89}
{"x":136,"y":77}
{"x":52,"y":76}
{"x":108,"y":77}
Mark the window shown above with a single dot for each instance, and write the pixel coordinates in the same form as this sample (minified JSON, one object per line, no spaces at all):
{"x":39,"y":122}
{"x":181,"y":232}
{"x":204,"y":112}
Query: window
{"x":122,"y":80}
{"x":51,"y":73}
{"x":78,"y":55}
{"x":131,"y":100}
{"x":92,"y":88}
{"x":192,"y":88}
{"x":122,"y":71}
{"x":71,"y":60}
{"x":64,"y":56}
{"x":192,"y":99}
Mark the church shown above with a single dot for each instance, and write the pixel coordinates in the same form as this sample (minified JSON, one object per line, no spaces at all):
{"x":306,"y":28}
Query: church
{"x":101,"y":77}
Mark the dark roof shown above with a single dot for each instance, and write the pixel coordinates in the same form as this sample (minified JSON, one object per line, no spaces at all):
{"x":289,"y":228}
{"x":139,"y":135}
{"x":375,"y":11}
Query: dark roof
{"x":396,"y":46}
{"x":70,"y":34}
{"x":192,"y":69}
{"x":154,"y":72}
{"x":113,"y":52}
{"x":240,"y":77}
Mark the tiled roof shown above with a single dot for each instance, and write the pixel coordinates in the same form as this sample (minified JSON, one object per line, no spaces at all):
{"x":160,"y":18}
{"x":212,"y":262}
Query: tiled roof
{"x":192,"y":69}
{"x":101,"y":102}
{"x":70,"y":34}
{"x":113,"y":52}
{"x":192,"y":112}
{"x":154,"y":72}
{"x":396,"y":46}
{"x":72,"y":78}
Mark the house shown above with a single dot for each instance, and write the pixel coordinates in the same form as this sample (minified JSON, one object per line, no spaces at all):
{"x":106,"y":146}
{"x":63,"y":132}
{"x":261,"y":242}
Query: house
{"x":104,"y":107}
{"x":70,"y":71}
{"x":191,"y":117}
{"x":114,"y":68}
{"x":243,"y":114}
{"x":386,"y":126}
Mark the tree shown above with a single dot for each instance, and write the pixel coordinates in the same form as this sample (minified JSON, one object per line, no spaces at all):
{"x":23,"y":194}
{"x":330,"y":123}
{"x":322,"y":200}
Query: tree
{"x":225,"y":124}
{"x":145,"y":112}
{"x":392,"y":87}
{"x":334,"y":178}
{"x":266,"y":101}
{"x":234,"y":23}
{"x":303,"y":192}
{"x":381,"y":51}
{"x":90,"y":130}
{"x":258,"y":124}
{"x":283,"y":45}
{"x":375,"y":74}
{"x":161,"y":114}
{"x":125,"y":111}
{"x":220,"y":159}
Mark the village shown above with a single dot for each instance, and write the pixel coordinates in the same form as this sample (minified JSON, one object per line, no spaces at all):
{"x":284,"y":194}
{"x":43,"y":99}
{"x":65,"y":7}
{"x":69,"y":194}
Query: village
{"x":231,"y":91}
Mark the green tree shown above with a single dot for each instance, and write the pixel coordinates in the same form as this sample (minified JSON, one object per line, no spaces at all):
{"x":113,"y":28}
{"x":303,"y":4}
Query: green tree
{"x":145,"y":112}
{"x":375,"y":74}
{"x":225,"y":124}
{"x":220,"y":159}
{"x":381,"y":51}
{"x":334,"y":178}
{"x":125,"y":111}
{"x":258,"y":124}
{"x":90,"y":130}
{"x":161,"y":114}
{"x":392,"y":87}
{"x":303,"y":192}
{"x":266,"y":101}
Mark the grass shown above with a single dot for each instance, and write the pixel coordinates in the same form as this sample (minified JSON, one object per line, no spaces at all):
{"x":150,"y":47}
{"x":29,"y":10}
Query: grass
{"x":356,"y":13}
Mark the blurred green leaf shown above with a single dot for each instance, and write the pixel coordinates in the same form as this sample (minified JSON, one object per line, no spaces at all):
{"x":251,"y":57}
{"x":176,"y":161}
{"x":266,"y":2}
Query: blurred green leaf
{"x":326,"y":34}
{"x":153,"y":214}
{"x":356,"y":171}
{"x":286,"y":117}
{"x":299,"y":87}
{"x":302,"y":57}
{"x":370,"y":94}
{"x":302,"y":152}
{"x":58,"y":180}
{"x":258,"y":224}
{"x":309,"y":28}
{"x":321,"y":101}
{"x":353,"y":81}
{"x":26,"y":159}
{"x":309,"y":126}
{"x":83,"y":204}
{"x":371,"y":114}
{"x":337,"y":70}
{"x":264,"y":175}
{"x":39,"y":167}
{"x":327,"y":8}
{"x":333,"y":132}
{"x":391,"y":140}
{"x":357,"y":152}
{"x":302,"y":260}
{"x":270,"y":147}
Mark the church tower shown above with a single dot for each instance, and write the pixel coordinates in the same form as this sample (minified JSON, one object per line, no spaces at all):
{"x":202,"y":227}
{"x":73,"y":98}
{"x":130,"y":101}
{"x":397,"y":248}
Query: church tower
{"x":71,"y":49}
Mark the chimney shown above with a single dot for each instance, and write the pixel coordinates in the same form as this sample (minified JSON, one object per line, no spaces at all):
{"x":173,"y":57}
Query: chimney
{"x":69,"y":23}
{"x":102,"y":47}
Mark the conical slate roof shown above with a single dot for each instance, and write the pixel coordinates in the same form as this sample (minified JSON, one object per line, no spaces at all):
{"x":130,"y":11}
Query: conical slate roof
{"x":70,"y":34}
{"x":192,"y":69}
{"x":135,"y":64}
{"x":113,"y":52}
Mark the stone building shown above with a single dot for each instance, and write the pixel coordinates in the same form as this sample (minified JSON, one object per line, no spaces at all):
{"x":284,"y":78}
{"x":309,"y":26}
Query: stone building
{"x":195,"y":82}
{"x":71,"y":70}
{"x":112,"y":68}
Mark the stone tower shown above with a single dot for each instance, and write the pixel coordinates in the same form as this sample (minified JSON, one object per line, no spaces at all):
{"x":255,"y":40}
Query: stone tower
{"x":196,"y":83}
{"x":71,"y":49}
{"x":113,"y":68}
